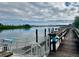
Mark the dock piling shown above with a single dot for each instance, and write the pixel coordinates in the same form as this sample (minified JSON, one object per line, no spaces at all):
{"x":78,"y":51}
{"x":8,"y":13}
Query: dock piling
{"x":36,"y":35}
{"x":49,"y":40}
{"x":45,"y":39}
{"x":48,"y":30}
{"x":54,"y":46}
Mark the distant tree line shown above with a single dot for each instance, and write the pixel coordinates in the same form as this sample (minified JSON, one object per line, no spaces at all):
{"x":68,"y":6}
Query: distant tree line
{"x":76,"y":22}
{"x":25,"y":26}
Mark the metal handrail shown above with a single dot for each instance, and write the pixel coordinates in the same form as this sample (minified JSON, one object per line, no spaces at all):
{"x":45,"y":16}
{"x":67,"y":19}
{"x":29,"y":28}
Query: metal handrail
{"x":37,"y":51}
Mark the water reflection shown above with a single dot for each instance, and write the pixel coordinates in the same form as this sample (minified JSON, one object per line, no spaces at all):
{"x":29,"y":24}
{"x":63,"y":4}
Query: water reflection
{"x":1,"y":30}
{"x":22,"y":37}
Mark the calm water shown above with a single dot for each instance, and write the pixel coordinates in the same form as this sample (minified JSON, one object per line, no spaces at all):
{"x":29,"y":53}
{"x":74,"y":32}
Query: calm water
{"x":22,"y":37}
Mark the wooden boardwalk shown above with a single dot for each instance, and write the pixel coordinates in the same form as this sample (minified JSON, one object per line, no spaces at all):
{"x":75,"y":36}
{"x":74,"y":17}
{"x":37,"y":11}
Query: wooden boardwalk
{"x":68,"y":47}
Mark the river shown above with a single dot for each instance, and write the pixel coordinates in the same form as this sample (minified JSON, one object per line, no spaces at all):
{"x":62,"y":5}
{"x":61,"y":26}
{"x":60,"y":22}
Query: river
{"x":22,"y":37}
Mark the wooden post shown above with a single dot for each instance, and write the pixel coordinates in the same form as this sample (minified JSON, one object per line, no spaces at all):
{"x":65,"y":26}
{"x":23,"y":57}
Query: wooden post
{"x":36,"y":35}
{"x":45,"y":40}
{"x":50,"y":43}
{"x":48,"y":30}
{"x":61,"y":35}
{"x":54,"y":46}
{"x":45,"y":32}
{"x":49,"y":40}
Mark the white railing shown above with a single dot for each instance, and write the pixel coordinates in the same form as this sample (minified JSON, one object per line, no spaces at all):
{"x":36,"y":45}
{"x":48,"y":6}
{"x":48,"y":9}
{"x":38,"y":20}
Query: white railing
{"x":35,"y":50}
{"x":38,"y":50}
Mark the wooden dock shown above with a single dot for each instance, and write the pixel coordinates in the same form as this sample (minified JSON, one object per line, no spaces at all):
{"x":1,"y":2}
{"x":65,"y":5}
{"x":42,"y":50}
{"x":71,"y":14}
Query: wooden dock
{"x":68,"y":47}
{"x":45,"y":45}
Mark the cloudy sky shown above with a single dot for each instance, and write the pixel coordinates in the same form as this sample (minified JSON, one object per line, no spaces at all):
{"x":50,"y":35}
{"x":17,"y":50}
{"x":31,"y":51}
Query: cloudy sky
{"x":37,"y":10}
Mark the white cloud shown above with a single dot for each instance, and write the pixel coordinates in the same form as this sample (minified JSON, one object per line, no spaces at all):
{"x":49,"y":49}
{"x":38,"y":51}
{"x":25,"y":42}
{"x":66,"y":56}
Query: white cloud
{"x":38,"y":10}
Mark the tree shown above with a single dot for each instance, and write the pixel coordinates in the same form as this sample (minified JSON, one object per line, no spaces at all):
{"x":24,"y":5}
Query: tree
{"x":76,"y":22}
{"x":1,"y":24}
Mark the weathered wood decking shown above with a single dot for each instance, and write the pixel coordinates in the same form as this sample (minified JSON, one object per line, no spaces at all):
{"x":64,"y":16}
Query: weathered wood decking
{"x":68,"y":47}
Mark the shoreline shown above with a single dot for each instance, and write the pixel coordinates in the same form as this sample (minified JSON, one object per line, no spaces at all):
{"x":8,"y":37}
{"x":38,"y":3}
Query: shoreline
{"x":7,"y":27}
